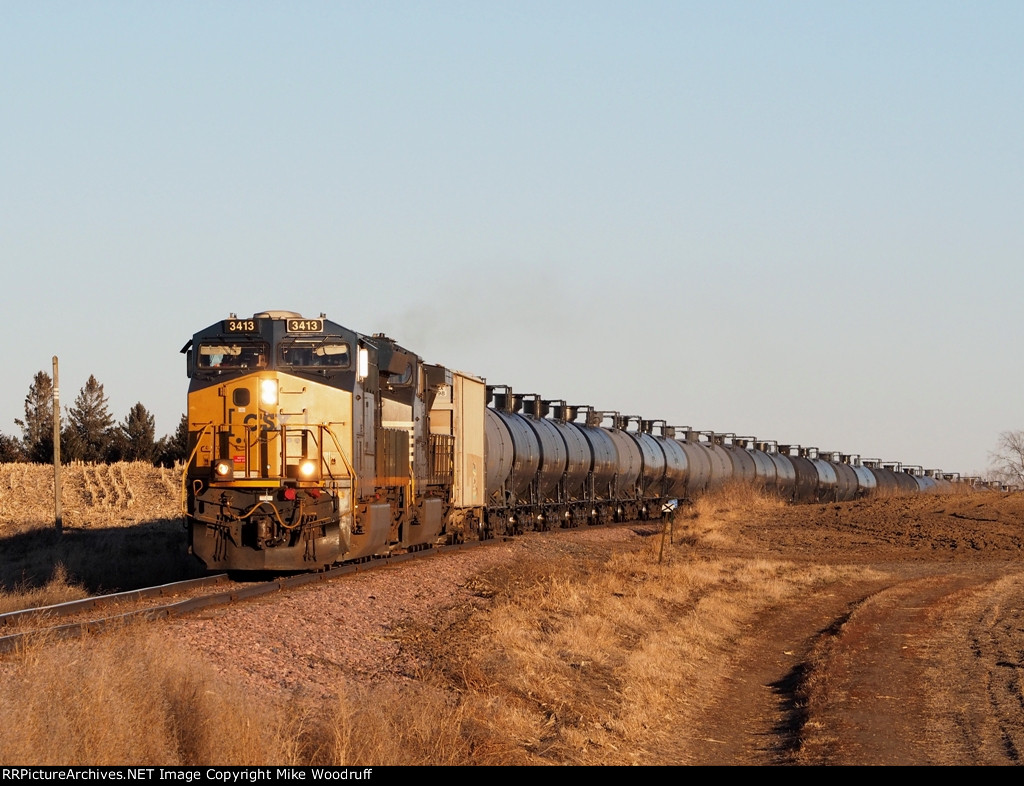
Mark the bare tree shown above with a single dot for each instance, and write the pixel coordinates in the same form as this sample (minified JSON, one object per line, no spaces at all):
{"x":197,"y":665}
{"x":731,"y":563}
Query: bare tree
{"x":1007,"y":460}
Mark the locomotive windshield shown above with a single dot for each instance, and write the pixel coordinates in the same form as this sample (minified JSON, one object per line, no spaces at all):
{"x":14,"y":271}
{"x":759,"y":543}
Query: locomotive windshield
{"x":329,"y":353}
{"x":239,"y":354}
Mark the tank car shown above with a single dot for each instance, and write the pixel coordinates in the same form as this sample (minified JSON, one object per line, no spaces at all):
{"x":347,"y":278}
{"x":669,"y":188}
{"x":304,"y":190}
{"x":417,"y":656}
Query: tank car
{"x":548,"y":467}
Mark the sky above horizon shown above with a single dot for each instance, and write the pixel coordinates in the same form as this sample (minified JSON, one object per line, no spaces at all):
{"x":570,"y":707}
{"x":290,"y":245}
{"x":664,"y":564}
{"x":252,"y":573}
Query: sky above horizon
{"x":795,"y":220}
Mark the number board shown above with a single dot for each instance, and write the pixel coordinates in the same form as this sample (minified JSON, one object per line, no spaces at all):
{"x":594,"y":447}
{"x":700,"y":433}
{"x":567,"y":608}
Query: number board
{"x":240,"y":326}
{"x":305,"y":325}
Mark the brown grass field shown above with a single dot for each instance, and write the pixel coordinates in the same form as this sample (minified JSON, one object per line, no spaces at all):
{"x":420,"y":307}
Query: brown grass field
{"x":640,"y":652}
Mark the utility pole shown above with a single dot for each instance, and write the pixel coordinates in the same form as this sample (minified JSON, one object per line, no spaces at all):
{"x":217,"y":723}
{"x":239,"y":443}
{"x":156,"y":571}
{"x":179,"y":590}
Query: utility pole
{"x":58,"y":511}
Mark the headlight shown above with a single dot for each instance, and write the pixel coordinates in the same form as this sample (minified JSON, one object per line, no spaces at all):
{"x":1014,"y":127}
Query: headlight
{"x":223,"y":469}
{"x":268,"y":392}
{"x":307,"y":468}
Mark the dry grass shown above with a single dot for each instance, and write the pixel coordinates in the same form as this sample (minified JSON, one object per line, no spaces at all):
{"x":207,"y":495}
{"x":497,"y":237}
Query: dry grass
{"x":733,"y":500}
{"x":707,"y":517}
{"x":130,"y":697}
{"x":612,"y":663}
{"x":125,"y":698}
{"x":590,"y":658}
{"x":585,"y":655}
{"x":59,"y":589}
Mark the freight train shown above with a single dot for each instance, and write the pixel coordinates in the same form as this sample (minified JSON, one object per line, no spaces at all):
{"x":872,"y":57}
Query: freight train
{"x":311,"y":444}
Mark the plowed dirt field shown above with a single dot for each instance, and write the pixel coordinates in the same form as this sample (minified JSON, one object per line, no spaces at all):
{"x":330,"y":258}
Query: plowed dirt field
{"x":921,"y":665}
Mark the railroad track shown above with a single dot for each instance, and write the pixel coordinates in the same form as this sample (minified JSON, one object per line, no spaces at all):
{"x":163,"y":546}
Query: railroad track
{"x":77,"y":618}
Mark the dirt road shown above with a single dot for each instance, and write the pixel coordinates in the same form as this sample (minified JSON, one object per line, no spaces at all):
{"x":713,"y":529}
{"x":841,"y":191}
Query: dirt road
{"x":921,"y":664}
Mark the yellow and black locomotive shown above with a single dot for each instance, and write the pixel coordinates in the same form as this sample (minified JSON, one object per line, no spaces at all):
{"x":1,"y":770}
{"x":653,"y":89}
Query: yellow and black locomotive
{"x":311,"y":444}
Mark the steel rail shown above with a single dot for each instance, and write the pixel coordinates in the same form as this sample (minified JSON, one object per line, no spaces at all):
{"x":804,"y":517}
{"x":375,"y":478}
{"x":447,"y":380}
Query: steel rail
{"x":12,"y":641}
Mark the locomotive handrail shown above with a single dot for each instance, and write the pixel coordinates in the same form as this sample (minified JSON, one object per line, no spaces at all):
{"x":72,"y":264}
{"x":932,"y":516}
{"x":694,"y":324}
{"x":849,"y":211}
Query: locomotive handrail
{"x":348,"y":466}
{"x":184,"y":472}
{"x":305,"y":427}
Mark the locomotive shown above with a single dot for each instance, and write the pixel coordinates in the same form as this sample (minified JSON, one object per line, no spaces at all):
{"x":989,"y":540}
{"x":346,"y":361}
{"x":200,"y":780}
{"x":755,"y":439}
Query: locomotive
{"x":311,"y":444}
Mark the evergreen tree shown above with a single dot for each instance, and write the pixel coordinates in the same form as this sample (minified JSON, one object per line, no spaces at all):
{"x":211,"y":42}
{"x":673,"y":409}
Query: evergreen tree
{"x":90,"y":425}
{"x":135,"y":439}
{"x":173,"y":448}
{"x":37,"y":427}
{"x":10,"y":449}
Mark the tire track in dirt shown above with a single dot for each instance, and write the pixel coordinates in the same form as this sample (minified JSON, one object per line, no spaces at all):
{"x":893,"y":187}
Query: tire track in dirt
{"x":759,"y":717}
{"x":913,"y":676}
{"x":916,"y":668}
{"x":982,"y":634}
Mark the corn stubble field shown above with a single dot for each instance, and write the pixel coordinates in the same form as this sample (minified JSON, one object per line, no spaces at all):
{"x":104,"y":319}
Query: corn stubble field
{"x":583,"y":654}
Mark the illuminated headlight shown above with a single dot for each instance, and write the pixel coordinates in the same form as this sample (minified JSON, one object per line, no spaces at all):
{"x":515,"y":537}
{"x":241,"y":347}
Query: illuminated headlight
{"x":307,"y":469}
{"x":268,"y":392}
{"x":223,"y":469}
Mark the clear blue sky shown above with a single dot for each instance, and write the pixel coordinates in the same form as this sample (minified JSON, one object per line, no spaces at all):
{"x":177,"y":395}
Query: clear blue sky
{"x":798,"y":220}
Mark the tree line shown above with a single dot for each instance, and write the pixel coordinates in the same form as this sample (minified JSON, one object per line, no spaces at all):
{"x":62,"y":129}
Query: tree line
{"x":88,"y":430}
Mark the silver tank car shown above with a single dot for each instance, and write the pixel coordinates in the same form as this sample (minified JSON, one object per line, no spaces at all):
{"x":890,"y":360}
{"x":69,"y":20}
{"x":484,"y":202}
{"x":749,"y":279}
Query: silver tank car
{"x":765,"y":472}
{"x":806,"y":488}
{"x":866,"y":482}
{"x":698,"y":460}
{"x":721,"y":464}
{"x":785,"y":474}
{"x":578,"y":455}
{"x":677,"y":467}
{"x":743,"y":467}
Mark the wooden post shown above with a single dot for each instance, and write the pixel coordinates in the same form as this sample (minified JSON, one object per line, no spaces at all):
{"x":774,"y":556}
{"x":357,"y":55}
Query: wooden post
{"x":58,"y":511}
